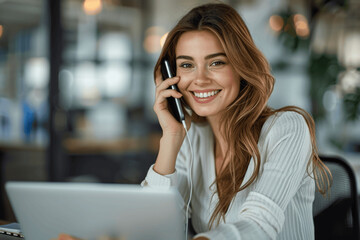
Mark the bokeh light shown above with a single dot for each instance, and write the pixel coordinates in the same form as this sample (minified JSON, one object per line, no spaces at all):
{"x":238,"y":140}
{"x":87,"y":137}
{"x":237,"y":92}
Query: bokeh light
{"x":92,"y":7}
{"x":154,"y":37}
{"x":301,"y":26}
{"x":276,"y":23}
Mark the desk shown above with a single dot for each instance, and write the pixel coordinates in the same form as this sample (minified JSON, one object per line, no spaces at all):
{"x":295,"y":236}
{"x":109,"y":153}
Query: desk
{"x":91,"y":146}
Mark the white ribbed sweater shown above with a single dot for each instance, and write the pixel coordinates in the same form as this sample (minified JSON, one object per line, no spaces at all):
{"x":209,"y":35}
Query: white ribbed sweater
{"x":277,"y":206}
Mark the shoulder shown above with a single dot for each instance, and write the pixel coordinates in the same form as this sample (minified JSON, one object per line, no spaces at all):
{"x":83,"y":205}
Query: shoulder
{"x":285,"y":134}
{"x":285,"y":120}
{"x":283,"y":124}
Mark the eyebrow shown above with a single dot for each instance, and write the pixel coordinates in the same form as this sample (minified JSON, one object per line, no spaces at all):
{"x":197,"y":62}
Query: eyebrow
{"x":206,"y":57}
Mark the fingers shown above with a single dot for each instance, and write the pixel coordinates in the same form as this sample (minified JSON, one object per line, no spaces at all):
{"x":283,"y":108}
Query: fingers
{"x":164,"y":84}
{"x":64,"y":236}
{"x":163,"y":92}
{"x":169,"y":93}
{"x":161,"y":98}
{"x":158,"y":77}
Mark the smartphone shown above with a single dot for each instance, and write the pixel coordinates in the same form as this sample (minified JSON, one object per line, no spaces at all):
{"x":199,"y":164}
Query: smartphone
{"x":175,"y":105}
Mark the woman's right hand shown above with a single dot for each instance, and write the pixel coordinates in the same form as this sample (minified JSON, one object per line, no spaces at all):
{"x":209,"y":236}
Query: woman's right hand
{"x":170,"y":126}
{"x":173,"y":131}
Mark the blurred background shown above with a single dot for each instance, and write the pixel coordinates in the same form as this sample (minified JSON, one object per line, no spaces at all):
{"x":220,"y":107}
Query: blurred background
{"x":76,"y":83}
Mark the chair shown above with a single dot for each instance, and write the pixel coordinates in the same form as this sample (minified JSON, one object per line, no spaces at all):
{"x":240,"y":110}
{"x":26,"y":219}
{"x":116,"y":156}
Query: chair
{"x":336,"y":216}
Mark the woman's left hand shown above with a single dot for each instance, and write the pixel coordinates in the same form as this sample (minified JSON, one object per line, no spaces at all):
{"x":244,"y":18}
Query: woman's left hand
{"x":64,"y":236}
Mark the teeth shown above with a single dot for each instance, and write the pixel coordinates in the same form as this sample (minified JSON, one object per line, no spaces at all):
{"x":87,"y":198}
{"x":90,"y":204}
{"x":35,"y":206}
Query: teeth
{"x":206,"y":94}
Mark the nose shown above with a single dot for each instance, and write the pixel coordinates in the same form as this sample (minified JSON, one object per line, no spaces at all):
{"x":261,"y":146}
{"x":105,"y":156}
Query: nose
{"x":202,"y":76}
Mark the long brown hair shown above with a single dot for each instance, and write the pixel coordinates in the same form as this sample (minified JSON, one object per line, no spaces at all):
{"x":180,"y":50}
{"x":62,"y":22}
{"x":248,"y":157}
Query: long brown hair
{"x":244,"y":118}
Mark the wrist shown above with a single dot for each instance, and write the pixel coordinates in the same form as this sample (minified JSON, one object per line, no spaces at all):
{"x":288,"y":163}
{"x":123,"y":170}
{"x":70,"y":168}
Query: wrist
{"x":168,"y":151}
{"x":178,"y":135}
{"x":172,"y":139}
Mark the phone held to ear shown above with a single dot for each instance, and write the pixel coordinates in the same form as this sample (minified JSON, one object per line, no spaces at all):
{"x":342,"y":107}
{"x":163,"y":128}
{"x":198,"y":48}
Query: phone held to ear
{"x":175,"y":106}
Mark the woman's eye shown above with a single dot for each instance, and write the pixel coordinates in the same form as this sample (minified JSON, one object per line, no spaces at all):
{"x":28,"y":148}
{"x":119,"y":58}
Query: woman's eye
{"x":217,"y":63}
{"x":186,"y":65}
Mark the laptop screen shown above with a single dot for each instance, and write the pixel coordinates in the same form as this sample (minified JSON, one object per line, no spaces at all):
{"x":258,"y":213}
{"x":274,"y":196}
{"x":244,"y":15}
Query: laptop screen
{"x":96,"y":211}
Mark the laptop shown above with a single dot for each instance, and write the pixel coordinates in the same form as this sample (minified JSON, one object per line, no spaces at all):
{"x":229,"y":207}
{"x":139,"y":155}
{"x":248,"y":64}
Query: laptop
{"x":95,"y":211}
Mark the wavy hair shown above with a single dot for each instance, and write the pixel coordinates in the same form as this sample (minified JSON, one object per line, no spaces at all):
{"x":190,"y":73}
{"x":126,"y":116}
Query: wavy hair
{"x":244,"y":118}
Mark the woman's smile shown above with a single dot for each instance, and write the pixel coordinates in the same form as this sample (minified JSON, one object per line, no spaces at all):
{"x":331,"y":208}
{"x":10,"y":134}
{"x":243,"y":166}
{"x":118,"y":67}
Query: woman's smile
{"x":205,"y":96}
{"x":208,"y":81}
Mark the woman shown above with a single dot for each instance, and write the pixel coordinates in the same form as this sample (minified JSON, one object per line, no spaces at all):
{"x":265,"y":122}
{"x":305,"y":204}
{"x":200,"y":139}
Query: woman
{"x":254,"y":168}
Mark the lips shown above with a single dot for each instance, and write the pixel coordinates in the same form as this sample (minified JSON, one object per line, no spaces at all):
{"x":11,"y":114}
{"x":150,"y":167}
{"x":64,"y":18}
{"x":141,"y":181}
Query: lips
{"x":205,"y":96}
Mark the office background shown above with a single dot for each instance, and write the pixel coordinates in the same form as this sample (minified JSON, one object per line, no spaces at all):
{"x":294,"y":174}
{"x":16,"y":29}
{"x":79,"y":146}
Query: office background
{"x":76,"y":81}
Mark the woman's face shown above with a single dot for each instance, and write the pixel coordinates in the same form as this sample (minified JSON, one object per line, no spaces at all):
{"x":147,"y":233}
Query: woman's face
{"x":207,"y":80}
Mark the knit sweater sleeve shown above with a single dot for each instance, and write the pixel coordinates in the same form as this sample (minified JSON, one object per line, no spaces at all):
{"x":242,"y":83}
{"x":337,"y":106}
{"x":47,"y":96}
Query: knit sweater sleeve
{"x":178,"y":179}
{"x":285,"y":155}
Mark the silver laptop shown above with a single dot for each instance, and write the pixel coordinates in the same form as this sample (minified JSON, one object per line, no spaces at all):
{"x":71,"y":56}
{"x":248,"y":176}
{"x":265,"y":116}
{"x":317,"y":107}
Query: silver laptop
{"x":96,"y":211}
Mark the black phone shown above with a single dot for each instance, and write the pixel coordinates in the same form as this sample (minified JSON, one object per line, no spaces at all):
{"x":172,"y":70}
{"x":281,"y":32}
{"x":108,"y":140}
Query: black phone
{"x":175,"y":105}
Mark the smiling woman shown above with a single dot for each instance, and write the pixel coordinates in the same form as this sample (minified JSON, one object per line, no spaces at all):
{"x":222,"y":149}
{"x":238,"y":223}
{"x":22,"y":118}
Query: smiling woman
{"x":255,"y":168}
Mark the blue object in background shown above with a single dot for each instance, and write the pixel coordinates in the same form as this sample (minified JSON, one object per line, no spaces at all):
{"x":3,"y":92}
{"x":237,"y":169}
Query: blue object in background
{"x":28,"y":120}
